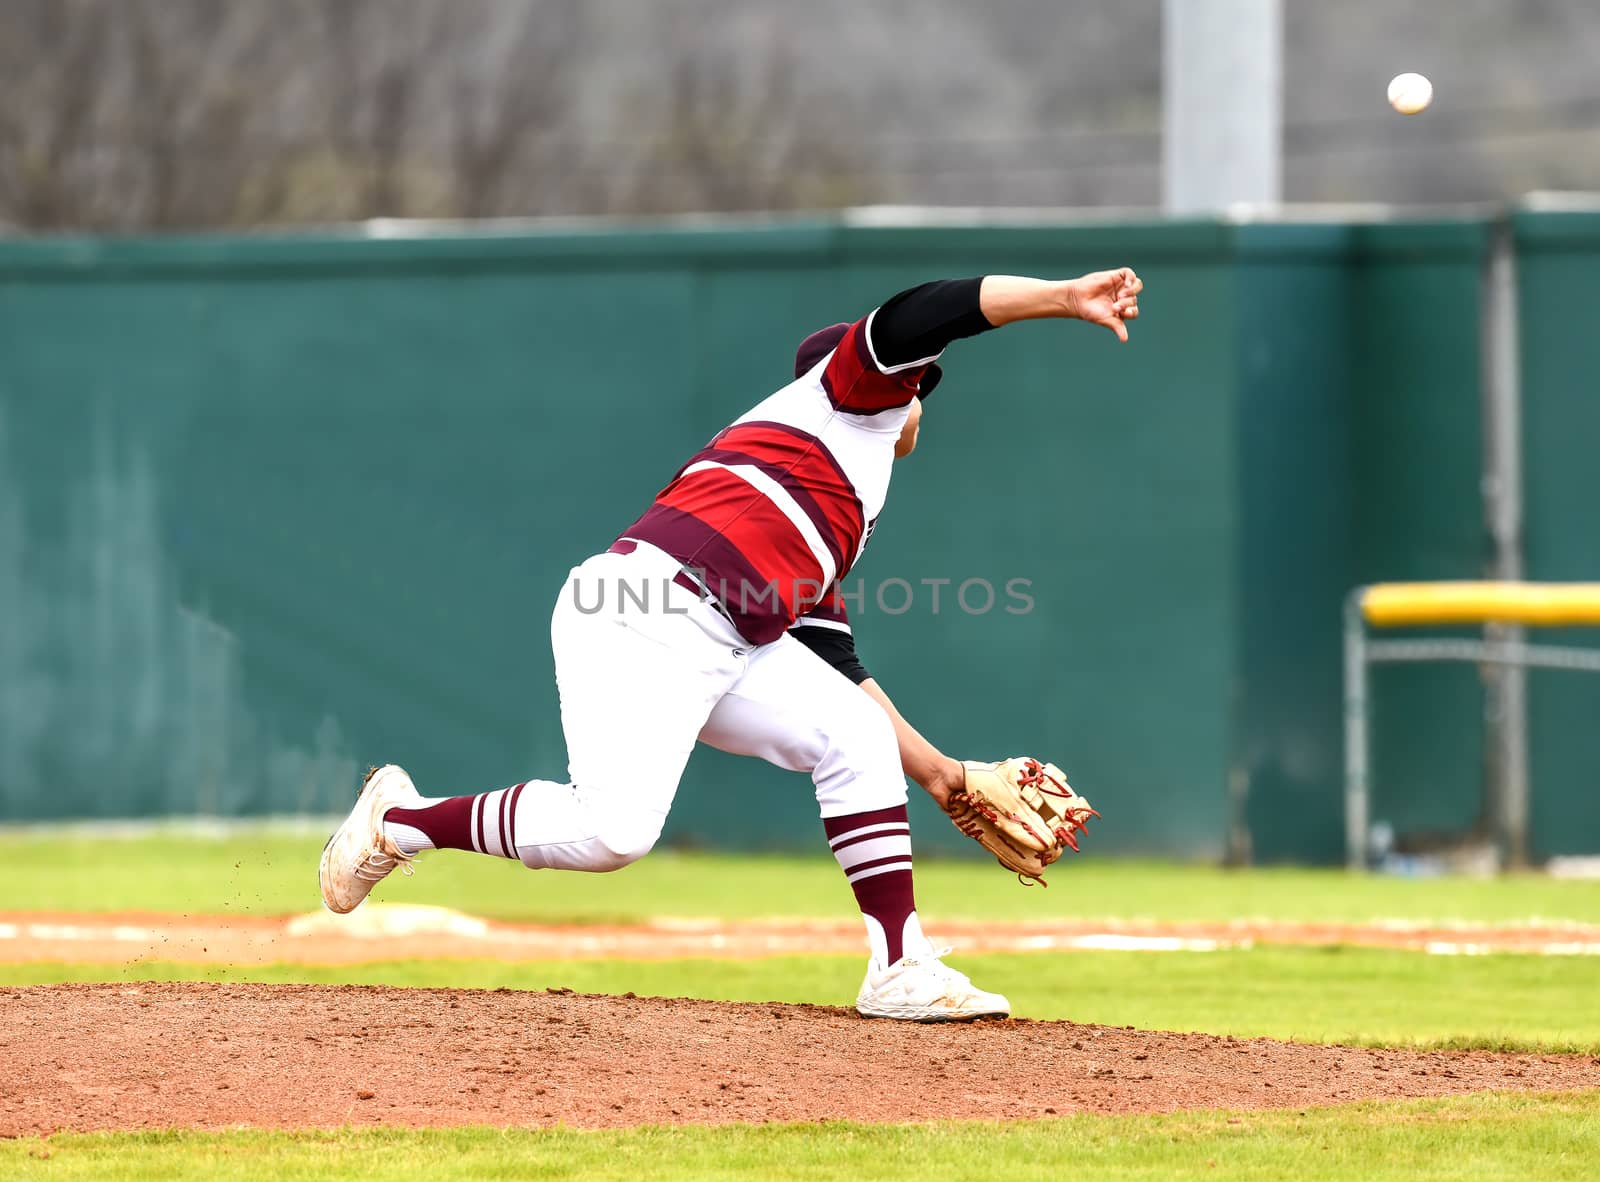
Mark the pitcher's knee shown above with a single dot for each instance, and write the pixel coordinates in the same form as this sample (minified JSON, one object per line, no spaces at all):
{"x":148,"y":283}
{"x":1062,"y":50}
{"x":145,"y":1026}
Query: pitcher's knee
{"x":861,"y":767}
{"x":622,"y":843}
{"x":865,"y":738}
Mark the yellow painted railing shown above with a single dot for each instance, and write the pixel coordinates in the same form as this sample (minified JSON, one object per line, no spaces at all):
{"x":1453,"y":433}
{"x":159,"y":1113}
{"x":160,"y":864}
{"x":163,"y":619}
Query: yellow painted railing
{"x":1394,"y":605}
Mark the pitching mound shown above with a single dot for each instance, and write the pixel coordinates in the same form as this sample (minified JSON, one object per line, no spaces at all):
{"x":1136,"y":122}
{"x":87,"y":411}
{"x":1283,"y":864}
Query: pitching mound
{"x":118,"y":1056}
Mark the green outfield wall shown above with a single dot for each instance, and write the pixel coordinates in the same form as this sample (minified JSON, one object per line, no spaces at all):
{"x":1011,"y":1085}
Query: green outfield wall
{"x":1417,"y":505}
{"x":273,"y":509}
{"x":1559,"y":261}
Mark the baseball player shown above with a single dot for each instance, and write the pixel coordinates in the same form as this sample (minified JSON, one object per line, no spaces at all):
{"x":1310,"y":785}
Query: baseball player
{"x":716,"y":617}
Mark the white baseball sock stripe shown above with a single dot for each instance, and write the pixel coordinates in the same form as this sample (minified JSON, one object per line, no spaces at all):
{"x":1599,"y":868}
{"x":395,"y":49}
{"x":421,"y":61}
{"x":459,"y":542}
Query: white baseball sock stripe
{"x":875,"y":870}
{"x":501,"y":828}
{"x":886,"y":827}
{"x":474,"y":821}
{"x":491,"y":823}
{"x":873,"y":849}
{"x":495,"y":822}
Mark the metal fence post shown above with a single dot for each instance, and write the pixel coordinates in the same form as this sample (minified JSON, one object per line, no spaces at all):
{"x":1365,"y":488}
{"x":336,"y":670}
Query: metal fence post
{"x":1356,"y":756}
{"x":1505,"y":684}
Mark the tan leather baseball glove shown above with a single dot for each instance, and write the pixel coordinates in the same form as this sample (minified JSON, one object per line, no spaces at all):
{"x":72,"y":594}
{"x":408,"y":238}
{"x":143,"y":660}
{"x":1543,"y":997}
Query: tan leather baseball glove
{"x":1022,"y":811}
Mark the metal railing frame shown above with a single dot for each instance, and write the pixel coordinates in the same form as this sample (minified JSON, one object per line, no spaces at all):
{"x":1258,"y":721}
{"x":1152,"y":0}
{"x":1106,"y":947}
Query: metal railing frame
{"x":1501,"y":647}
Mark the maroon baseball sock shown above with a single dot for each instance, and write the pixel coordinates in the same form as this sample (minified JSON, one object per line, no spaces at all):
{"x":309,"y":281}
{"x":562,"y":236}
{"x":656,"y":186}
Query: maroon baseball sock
{"x":484,"y":824}
{"x":874,"y":851}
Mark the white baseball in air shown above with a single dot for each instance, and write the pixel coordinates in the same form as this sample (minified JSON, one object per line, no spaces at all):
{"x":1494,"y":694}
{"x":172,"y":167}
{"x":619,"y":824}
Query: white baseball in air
{"x":1410,"y":94}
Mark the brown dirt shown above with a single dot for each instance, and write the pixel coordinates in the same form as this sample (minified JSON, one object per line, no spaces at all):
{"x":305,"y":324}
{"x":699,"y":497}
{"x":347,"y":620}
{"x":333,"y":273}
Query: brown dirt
{"x":119,"y":1056}
{"x":397,"y":932}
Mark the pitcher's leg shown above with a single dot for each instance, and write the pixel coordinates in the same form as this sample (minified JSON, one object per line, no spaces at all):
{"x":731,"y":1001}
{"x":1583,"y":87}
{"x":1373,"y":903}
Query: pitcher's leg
{"x":637,"y":674}
{"x":639,"y":664}
{"x":794,"y":710}
{"x":635,"y":691}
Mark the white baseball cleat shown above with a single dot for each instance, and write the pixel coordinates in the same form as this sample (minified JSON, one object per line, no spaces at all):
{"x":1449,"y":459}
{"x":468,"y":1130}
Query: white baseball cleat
{"x":925,"y":989}
{"x":358,"y":856}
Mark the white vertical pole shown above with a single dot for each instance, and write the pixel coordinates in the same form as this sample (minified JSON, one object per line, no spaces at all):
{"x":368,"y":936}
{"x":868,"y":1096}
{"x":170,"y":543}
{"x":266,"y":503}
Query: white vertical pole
{"x":1222,"y":104}
{"x":1356,"y":741}
{"x":1505,"y":685}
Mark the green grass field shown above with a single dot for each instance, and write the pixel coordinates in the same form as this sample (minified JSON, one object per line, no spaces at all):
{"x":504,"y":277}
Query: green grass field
{"x":1554,"y":1137}
{"x":1368,"y":996}
{"x":275,"y":874}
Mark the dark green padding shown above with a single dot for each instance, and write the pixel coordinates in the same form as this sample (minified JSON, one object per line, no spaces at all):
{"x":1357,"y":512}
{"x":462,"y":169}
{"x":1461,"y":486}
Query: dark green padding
{"x":272,"y":509}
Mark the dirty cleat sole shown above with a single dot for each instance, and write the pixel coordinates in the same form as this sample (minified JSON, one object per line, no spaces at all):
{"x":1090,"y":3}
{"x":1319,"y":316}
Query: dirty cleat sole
{"x":358,"y":856}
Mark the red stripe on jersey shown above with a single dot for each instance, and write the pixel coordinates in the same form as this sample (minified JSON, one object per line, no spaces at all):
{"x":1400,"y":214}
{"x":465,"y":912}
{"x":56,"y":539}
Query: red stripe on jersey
{"x":854,"y":383}
{"x":827,"y":529}
{"x":829,"y":498}
{"x":763,"y":532}
{"x":773,"y":434}
{"x":733,"y":560}
{"x":693,"y":543}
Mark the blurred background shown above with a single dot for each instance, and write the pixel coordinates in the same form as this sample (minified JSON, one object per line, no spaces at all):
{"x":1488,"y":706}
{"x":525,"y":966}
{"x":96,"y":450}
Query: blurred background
{"x":333,"y":332}
{"x":130,"y":115}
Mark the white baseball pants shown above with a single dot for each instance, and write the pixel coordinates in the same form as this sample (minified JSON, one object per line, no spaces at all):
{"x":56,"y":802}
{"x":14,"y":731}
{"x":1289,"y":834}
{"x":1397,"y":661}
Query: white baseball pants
{"x":645,"y":669}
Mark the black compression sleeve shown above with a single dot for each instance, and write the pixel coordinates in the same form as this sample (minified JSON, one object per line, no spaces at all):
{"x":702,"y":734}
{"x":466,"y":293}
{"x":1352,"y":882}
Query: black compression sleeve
{"x":922,"y":320}
{"x":835,"y":647}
